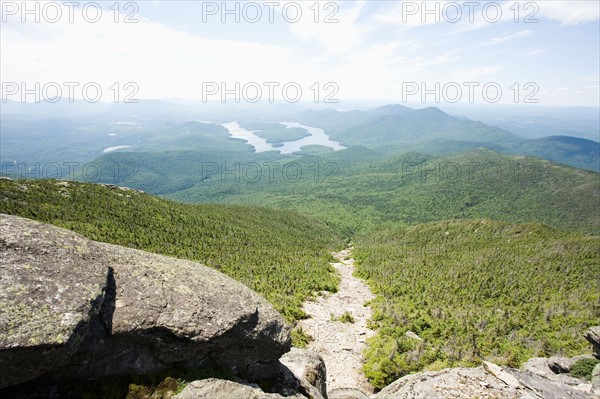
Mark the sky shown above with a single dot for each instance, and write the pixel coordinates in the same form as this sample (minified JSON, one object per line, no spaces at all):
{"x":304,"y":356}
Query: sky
{"x":434,"y":52}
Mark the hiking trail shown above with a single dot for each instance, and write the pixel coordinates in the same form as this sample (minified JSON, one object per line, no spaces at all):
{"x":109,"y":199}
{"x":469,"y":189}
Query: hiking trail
{"x":341,"y":344}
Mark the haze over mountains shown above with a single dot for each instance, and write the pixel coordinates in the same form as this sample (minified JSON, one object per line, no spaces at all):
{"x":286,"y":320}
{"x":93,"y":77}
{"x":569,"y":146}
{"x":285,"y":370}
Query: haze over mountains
{"x":64,"y":131}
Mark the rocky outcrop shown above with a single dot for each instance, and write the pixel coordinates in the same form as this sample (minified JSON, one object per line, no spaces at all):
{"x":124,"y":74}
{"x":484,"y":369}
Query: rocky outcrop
{"x":539,"y":366}
{"x":593,"y":336}
{"x":309,"y":370}
{"x":75,"y":309}
{"x":556,"y":368}
{"x":48,"y":297}
{"x":221,"y":389}
{"x":300,"y":373}
{"x":79,"y":309}
{"x":562,"y":365}
{"x":486,"y":381}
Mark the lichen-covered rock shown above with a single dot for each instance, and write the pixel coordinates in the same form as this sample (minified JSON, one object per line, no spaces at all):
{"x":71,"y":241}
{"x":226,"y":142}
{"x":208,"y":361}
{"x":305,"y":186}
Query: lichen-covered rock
{"x":96,"y":310}
{"x":484,"y":382}
{"x":412,"y":335}
{"x":52,"y":284}
{"x":220,"y":389}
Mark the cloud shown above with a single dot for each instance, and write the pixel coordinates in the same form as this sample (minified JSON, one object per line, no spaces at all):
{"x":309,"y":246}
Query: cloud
{"x":505,"y":38}
{"x":340,"y":35}
{"x":369,"y":52}
{"x":475,"y":73}
{"x":530,"y":13}
{"x":592,"y":79}
{"x":411,"y":14}
{"x":535,"y":52}
{"x":163,"y":61}
{"x":569,"y":13}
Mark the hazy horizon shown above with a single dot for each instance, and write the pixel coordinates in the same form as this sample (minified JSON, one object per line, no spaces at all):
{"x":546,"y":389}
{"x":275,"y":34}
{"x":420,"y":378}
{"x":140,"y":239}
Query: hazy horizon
{"x":504,"y":52}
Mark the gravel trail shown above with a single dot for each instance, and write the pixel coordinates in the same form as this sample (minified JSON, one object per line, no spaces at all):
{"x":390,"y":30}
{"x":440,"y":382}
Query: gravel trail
{"x":341,"y":344}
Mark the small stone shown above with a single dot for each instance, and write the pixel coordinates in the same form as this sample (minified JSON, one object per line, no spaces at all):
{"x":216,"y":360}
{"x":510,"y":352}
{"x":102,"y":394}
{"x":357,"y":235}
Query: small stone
{"x":412,"y":335}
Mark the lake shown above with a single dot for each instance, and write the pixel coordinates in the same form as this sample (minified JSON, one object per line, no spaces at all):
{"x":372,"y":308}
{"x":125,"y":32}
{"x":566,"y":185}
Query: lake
{"x":317,"y":137}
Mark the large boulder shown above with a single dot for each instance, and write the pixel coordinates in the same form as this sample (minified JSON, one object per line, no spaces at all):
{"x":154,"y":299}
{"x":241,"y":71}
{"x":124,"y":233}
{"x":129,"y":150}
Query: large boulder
{"x":308,"y":368}
{"x":52,"y":284}
{"x":78,"y":309}
{"x":486,"y":381}
{"x":541,"y":366}
{"x":593,"y":336}
{"x":221,"y":389}
{"x":563,"y":365}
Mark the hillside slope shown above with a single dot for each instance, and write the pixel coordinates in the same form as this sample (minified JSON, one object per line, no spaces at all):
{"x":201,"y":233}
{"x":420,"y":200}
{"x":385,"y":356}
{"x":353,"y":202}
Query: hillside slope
{"x":357,"y":192}
{"x":432,"y":131}
{"x":280,"y":254}
{"x":476,"y":289}
{"x":574,"y":151}
{"x":395,"y":123}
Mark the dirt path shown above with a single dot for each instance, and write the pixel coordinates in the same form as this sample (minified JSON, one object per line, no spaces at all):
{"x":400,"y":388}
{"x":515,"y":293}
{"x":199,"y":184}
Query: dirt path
{"x":341,"y":344}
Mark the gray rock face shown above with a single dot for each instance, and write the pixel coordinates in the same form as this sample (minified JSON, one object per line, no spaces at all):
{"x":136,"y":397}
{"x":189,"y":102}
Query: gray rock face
{"x":593,"y":336}
{"x":48,"y":296}
{"x":541,"y":367}
{"x":221,"y":389}
{"x":487,"y":381}
{"x":88,"y":310}
{"x":560,"y":365}
{"x":309,"y":368}
{"x":563,"y":365}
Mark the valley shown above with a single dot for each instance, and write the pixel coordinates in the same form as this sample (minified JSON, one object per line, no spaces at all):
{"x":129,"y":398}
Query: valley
{"x":318,"y":199}
{"x":462,"y":251}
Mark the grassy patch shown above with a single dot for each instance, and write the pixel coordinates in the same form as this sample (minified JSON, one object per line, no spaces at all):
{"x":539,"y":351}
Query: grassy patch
{"x":346,"y":317}
{"x":583,"y":368}
{"x":300,"y":339}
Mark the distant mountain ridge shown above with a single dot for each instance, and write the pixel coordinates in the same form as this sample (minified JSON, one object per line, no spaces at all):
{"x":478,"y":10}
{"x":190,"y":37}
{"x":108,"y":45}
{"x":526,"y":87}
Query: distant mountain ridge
{"x":397,"y":127}
{"x":391,"y":129}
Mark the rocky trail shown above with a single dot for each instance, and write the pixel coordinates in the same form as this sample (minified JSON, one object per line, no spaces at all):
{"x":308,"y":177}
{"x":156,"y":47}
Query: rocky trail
{"x":341,"y":344}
